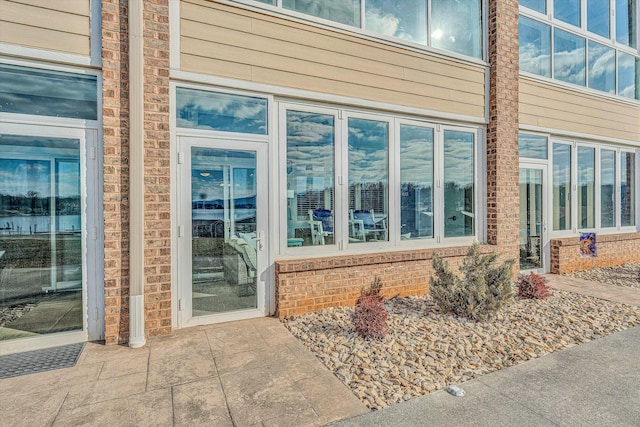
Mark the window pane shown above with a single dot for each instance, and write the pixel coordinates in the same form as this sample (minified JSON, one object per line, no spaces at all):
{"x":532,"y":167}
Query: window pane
{"x":602,"y":65}
{"x":568,"y":57}
{"x":405,"y":19}
{"x":458,"y":184}
{"x":628,"y":74}
{"x":221,"y":111}
{"x":598,"y":17}
{"x":26,"y":90}
{"x":273,"y":2}
{"x":586,"y":187}
{"x":310,"y":175}
{"x":368,"y":180}
{"x":416,"y":182}
{"x":40,"y":235}
{"x":457,"y":26}
{"x":532,"y":146}
{"x":561,"y":187}
{"x":628,"y":187}
{"x":537,"y":5}
{"x":567,"y":11}
{"x":607,"y":188}
{"x":626,"y":22}
{"x":342,"y":11}
{"x":535,"y":47}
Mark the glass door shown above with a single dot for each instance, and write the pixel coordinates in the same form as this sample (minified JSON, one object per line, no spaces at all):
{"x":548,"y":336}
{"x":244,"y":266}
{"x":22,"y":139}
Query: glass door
{"x":533,"y":225}
{"x":222,"y":230}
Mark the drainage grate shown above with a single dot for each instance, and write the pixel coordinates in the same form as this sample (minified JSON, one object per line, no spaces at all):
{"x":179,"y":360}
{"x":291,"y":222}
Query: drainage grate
{"x":31,"y":362}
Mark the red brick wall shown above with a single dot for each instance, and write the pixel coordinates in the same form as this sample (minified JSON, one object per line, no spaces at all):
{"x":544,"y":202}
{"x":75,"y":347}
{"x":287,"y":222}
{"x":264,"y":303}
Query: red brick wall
{"x":307,"y":285}
{"x":502,"y":131}
{"x":115,"y":116}
{"x":612,"y":249}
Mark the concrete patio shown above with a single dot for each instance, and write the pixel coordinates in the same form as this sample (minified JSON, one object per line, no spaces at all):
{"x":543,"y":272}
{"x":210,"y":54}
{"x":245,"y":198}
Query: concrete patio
{"x":248,"y":373}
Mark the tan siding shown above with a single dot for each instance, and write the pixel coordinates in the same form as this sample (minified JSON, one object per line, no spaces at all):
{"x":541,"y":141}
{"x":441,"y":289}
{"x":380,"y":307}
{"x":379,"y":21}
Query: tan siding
{"x":549,"y":106}
{"x":236,"y":43}
{"x":54,"y":25}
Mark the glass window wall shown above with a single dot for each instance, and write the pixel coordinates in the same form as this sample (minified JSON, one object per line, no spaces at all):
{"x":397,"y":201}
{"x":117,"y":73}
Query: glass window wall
{"x":343,"y":11}
{"x":537,"y":5}
{"x":628,"y":76}
{"x":535,"y":47}
{"x":598,"y":17}
{"x":602,"y":67}
{"x":607,"y":188}
{"x":532,"y":146}
{"x":561,"y":187}
{"x":628,"y":188}
{"x":458,"y":184}
{"x":416,"y":182}
{"x":457,"y":26}
{"x":406,"y":20}
{"x":626,"y":27}
{"x":569,"y":57}
{"x":586,"y":187}
{"x":567,"y":11}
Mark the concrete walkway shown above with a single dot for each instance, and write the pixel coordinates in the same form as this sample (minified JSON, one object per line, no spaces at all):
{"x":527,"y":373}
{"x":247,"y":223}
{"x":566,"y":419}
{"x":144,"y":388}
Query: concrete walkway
{"x":605,"y":291}
{"x":248,"y":373}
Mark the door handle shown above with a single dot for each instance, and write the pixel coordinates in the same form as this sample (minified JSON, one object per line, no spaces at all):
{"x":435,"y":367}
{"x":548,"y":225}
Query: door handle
{"x":259,"y":240}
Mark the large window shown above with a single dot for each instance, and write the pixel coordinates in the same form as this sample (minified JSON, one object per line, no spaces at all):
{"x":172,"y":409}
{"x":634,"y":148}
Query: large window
{"x":596,"y":200}
{"x":367,"y":180}
{"x":455,"y":26}
{"x":589,"y":49}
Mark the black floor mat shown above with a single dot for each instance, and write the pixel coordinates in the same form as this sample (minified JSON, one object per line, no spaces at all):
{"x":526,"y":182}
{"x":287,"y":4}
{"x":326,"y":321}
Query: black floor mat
{"x":31,"y":362}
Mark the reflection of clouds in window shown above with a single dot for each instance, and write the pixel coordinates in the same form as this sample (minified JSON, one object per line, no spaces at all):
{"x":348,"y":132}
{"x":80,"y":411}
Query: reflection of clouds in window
{"x":608,"y":166}
{"x":26,"y":90}
{"x":535,"y":42}
{"x":561,"y":162}
{"x":25,"y":178}
{"x":368,"y":151}
{"x":343,"y":11}
{"x":223,"y":112}
{"x":569,"y":57}
{"x":602,"y":67}
{"x":567,"y":11}
{"x":458,"y":158}
{"x":457,"y":26}
{"x":68,"y":179}
{"x":532,"y":146}
{"x":537,"y":5}
{"x":626,"y":28}
{"x":598,"y":17}
{"x":628,"y":68}
{"x":416,"y":155}
{"x":405,"y":19}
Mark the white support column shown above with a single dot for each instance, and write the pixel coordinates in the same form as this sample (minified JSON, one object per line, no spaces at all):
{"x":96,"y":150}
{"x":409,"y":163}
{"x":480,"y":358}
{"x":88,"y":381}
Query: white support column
{"x":136,"y":177}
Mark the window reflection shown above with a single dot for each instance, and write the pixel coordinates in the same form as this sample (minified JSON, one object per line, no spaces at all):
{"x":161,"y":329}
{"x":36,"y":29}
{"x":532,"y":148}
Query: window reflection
{"x":628,"y":69}
{"x":457,"y":26}
{"x":569,"y":57}
{"x":586,"y":187}
{"x":628,"y":188}
{"x":40,"y":235}
{"x":458,"y":184}
{"x":602,"y":67}
{"x":368,"y":179}
{"x":404,"y":19}
{"x":310,"y":178}
{"x":537,"y":5}
{"x":25,"y":90}
{"x":626,"y":29}
{"x":561,"y":187}
{"x":567,"y":11}
{"x":416,"y":182}
{"x":220,"y":111}
{"x":607,"y":188}
{"x":532,"y":146}
{"x":342,"y":11}
{"x":535,"y":47}
{"x":598,"y":17}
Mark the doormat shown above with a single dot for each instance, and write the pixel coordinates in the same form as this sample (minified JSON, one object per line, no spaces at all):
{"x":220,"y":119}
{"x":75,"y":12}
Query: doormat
{"x":32,"y":362}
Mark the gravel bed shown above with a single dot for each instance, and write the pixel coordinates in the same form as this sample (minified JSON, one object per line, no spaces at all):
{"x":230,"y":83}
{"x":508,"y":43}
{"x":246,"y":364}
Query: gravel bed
{"x":627,"y":275}
{"x":426,"y":350}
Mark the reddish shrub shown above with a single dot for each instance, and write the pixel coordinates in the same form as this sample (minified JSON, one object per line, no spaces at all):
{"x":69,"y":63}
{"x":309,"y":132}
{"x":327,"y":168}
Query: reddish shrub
{"x":369,"y":318}
{"x":532,"y":286}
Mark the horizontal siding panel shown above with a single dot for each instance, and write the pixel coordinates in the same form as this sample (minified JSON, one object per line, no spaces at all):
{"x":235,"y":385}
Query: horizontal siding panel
{"x":557,"y":108}
{"x":286,"y":53}
{"x":42,"y":38}
{"x":44,"y":18}
{"x":77,"y":7}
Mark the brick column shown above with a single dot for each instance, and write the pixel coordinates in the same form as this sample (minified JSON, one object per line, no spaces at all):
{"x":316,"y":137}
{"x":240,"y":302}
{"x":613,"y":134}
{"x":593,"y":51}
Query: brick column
{"x":157,"y":168}
{"x":115,"y":116}
{"x":502,"y":131}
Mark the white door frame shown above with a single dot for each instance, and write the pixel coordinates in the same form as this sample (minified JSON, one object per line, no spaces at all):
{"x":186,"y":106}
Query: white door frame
{"x":183,"y":256}
{"x":92,"y":234}
{"x":546,"y":209}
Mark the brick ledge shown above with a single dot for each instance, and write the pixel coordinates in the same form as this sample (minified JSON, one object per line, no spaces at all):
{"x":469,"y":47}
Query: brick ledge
{"x":600,"y":238}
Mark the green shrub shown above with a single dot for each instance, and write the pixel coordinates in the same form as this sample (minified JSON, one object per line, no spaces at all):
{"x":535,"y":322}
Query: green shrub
{"x":485,"y":289}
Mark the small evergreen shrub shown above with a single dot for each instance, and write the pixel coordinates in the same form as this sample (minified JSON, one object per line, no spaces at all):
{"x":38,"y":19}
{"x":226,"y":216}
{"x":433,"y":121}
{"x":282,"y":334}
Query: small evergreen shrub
{"x":485,"y":289}
{"x":532,"y":286}
{"x":369,"y":316}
